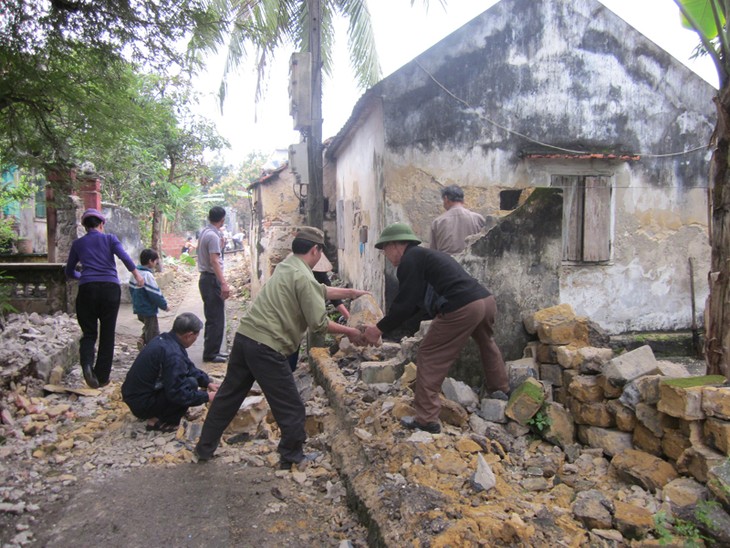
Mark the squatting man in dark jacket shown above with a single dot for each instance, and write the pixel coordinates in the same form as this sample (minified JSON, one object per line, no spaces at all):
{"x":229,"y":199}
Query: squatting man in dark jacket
{"x":461,"y":308}
{"x":163,"y":382}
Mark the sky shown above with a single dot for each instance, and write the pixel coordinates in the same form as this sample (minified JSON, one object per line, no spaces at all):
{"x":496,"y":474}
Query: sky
{"x":401,"y":32}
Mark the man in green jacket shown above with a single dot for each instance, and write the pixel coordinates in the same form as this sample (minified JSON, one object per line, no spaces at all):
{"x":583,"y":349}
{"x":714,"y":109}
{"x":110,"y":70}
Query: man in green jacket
{"x":291,"y":302}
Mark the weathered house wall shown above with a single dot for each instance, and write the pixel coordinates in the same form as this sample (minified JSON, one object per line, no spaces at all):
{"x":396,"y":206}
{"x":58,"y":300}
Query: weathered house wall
{"x":360,"y":195}
{"x":519,"y":261}
{"x":277,"y":212}
{"x":479,"y":107}
{"x":275,"y":209}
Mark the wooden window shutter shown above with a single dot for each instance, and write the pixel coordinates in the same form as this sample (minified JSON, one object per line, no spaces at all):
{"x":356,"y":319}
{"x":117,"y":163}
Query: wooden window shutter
{"x":597,"y":219}
{"x":572,"y":215}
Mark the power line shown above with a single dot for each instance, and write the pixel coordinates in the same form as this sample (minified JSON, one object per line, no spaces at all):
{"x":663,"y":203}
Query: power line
{"x":541,"y":143}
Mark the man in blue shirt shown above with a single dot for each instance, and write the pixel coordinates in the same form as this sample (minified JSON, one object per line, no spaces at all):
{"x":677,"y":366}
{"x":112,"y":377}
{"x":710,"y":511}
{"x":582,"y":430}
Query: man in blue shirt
{"x":163,"y":382}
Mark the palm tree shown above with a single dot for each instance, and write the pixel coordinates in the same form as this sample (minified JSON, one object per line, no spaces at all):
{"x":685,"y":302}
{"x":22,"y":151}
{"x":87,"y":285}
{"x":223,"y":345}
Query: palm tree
{"x":708,"y":18}
{"x":306,"y":25}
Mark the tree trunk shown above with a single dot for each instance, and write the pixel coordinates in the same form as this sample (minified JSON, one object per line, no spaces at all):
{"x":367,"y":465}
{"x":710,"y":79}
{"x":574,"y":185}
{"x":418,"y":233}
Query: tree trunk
{"x":156,"y":242}
{"x":717,"y":345}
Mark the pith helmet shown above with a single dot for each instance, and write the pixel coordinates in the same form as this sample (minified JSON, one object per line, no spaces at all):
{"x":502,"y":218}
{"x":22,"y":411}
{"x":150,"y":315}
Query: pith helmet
{"x":397,"y":232}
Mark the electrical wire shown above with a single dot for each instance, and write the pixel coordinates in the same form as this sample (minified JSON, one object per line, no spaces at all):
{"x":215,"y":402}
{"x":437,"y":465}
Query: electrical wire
{"x":541,"y":143}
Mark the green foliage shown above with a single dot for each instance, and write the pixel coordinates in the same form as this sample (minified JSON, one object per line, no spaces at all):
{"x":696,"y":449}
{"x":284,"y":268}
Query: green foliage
{"x":5,"y":306}
{"x":662,"y":528}
{"x":708,"y":19}
{"x":703,"y":512}
{"x":540,"y":421}
{"x":233,"y":182}
{"x":667,"y":531}
{"x":146,"y":31}
{"x":60,"y":102}
{"x":70,"y":92}
{"x":12,"y":189}
{"x":689,"y":531}
{"x":265,"y":25}
{"x":160,"y":166}
{"x":185,"y":258}
{"x":701,"y":15}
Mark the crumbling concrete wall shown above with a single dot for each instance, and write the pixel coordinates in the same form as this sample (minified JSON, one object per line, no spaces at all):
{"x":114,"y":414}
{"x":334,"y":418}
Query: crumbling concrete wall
{"x":276,"y":214}
{"x":518,"y":260}
{"x":276,"y":209}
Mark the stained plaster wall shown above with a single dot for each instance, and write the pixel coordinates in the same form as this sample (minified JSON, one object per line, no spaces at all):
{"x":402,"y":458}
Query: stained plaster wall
{"x":574,"y":75}
{"x":655,"y":231}
{"x":360,"y":186}
{"x":276,"y":217}
{"x":275,"y":211}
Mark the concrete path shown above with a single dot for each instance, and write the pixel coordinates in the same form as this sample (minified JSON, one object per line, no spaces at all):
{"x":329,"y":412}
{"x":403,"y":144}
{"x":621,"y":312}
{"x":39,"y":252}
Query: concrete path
{"x":128,"y":324}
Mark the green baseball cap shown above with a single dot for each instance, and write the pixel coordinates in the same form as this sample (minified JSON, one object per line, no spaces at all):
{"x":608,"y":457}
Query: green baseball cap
{"x":311,"y":234}
{"x":397,"y":232}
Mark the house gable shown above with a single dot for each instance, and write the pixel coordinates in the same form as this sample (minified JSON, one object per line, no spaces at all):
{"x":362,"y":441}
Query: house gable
{"x":530,"y":77}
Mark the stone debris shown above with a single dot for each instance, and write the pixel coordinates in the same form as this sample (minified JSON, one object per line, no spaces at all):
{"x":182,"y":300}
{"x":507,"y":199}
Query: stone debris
{"x":31,"y":344}
{"x":483,"y":479}
{"x":606,"y":490}
{"x":589,"y":450}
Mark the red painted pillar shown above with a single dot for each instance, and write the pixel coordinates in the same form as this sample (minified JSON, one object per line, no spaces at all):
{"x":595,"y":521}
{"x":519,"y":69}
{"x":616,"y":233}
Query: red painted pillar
{"x":90,"y":190}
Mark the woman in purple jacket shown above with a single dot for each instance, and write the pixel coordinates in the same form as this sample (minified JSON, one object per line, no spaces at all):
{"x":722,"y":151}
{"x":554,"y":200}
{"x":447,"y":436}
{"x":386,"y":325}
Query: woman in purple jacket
{"x":97,"y":303}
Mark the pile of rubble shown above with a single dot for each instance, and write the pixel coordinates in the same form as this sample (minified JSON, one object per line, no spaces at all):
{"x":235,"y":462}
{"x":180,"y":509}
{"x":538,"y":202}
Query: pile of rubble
{"x":591,"y":448}
{"x":51,"y":442}
{"x":512,"y":473}
{"x":32,"y":345}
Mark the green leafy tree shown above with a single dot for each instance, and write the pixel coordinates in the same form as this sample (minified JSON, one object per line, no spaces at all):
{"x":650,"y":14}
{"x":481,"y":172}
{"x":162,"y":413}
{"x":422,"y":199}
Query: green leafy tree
{"x":709,"y":19}
{"x":233,"y":184}
{"x":159,"y":167}
{"x":65,"y":70}
{"x":13,"y":188}
{"x":67,"y":98}
{"x":263,"y":26}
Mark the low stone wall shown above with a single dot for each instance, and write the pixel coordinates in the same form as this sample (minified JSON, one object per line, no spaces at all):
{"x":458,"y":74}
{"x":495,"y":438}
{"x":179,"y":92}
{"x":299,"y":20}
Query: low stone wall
{"x":36,"y":287}
{"x":664,"y":428}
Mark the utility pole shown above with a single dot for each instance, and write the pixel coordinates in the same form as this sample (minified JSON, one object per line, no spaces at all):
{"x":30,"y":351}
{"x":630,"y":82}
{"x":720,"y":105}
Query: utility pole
{"x":315,"y":193}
